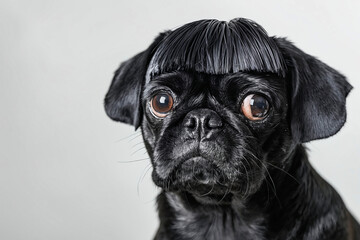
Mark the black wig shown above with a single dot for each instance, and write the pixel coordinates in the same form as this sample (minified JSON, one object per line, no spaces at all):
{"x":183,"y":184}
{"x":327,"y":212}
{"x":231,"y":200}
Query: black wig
{"x":218,"y":47}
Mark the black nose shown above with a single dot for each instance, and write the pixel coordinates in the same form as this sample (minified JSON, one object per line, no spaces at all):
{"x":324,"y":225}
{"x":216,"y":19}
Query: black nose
{"x":202,"y":123}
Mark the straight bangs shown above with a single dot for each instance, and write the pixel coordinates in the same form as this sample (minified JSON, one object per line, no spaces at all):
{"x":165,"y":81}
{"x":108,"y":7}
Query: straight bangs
{"x":218,"y":47}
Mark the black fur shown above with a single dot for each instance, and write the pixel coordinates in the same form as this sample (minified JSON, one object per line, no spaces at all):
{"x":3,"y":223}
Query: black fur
{"x":317,"y":90}
{"x":122,"y":99}
{"x":224,"y":176}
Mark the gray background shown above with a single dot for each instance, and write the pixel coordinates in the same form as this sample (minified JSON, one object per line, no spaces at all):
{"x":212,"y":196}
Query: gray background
{"x":61,"y":175}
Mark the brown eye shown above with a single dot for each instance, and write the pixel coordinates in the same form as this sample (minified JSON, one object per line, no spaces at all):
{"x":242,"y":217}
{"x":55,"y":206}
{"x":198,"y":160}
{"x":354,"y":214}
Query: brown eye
{"x":255,"y":107}
{"x":161,"y":104}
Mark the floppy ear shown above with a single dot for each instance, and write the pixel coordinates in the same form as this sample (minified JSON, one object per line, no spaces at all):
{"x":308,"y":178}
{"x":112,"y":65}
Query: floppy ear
{"x":318,"y":95}
{"x":122,"y":101}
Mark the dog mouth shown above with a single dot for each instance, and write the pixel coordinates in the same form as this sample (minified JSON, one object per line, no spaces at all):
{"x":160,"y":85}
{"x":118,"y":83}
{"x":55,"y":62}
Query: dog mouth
{"x":197,"y":169}
{"x":203,"y":180}
{"x":200,"y":176}
{"x":206,"y":171}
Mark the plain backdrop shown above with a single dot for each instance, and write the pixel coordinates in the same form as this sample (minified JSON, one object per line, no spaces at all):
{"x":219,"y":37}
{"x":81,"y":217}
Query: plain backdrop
{"x":62,"y":170}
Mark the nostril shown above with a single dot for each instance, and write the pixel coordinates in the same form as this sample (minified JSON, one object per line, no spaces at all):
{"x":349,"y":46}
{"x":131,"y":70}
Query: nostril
{"x":190,"y":122}
{"x":200,"y":176}
{"x":214,"y":122}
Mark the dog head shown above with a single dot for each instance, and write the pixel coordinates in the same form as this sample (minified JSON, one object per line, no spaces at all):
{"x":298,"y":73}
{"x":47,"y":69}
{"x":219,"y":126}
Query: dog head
{"x":221,"y":103}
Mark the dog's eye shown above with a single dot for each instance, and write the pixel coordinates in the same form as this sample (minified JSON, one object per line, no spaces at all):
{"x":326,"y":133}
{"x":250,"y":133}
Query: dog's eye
{"x":255,"y":107}
{"x":161,"y":104}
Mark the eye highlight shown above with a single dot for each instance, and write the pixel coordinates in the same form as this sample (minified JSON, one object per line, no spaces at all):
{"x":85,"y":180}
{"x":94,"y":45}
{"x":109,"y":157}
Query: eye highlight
{"x":255,"y":107}
{"x":161,"y":104}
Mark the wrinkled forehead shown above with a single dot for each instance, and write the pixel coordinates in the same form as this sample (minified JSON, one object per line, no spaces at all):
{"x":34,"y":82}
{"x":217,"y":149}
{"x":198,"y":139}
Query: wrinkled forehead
{"x":217,"y":47}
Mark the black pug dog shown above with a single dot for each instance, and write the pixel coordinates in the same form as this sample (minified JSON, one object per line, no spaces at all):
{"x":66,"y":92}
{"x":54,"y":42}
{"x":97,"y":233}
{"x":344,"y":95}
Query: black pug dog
{"x":224,"y":110}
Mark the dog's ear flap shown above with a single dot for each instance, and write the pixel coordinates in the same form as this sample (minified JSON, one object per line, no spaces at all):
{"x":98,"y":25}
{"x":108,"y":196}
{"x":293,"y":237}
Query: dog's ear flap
{"x":318,"y":95}
{"x":122,"y":101}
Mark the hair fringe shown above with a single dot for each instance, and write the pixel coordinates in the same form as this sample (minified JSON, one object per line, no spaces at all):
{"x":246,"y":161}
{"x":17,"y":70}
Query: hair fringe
{"x":218,"y":47}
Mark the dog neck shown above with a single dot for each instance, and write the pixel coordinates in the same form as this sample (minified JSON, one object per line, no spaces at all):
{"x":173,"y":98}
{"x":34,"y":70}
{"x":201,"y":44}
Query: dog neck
{"x":297,"y":191}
